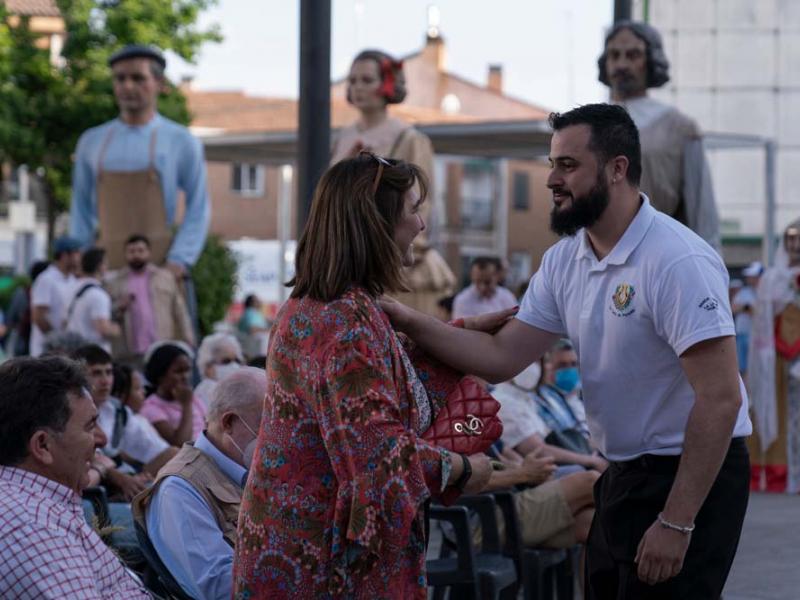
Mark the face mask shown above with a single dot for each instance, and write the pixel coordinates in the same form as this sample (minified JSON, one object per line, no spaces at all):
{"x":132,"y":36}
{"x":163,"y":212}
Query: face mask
{"x":249,"y":450}
{"x":529,"y":378}
{"x":222,"y":371}
{"x":567,"y":379}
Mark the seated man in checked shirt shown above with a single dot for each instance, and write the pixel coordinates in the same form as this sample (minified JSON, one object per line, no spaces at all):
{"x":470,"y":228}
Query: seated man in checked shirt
{"x":48,"y":438}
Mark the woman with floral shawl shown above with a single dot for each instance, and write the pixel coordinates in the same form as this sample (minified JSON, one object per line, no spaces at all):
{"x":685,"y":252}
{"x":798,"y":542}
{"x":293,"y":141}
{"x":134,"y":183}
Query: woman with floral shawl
{"x":333,"y":503}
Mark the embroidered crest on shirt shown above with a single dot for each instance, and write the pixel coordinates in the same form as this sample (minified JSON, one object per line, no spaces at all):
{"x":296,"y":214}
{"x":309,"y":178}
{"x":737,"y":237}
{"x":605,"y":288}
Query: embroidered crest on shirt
{"x":622,"y":299}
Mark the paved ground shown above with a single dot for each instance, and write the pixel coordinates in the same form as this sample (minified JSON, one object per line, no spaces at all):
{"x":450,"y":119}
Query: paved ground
{"x":767,"y":566}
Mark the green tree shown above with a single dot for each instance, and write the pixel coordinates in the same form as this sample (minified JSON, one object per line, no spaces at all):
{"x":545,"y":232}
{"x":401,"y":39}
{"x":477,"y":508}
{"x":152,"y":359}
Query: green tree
{"x":44,"y":108}
{"x":214,"y":280}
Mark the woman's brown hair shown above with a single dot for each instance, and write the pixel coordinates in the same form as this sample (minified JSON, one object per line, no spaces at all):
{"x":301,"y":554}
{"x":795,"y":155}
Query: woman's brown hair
{"x":349,"y":237}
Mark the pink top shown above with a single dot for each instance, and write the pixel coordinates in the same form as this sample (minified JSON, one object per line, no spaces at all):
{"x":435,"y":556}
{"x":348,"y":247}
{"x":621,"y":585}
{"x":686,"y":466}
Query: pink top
{"x":143,"y":319}
{"x":156,"y":409}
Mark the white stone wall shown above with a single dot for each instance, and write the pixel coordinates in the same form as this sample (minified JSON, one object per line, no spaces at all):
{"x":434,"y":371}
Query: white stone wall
{"x":736,"y":69}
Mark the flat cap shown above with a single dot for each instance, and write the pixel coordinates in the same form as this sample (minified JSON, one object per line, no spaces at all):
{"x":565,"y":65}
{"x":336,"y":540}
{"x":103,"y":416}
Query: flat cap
{"x":138,"y":51}
{"x":65,"y":244}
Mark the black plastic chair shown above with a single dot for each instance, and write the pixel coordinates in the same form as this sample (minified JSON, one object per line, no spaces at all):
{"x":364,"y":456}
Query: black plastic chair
{"x":542,"y":571}
{"x":171,"y":587}
{"x":98,"y":497}
{"x":487,"y":574}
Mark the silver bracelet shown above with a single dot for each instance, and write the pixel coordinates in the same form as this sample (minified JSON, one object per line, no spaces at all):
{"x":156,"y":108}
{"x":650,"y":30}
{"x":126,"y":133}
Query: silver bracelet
{"x":668,"y":525}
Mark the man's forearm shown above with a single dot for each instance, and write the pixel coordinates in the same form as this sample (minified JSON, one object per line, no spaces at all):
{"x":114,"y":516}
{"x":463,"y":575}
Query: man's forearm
{"x":495,"y":358}
{"x":567,"y":457}
{"x":706,"y":442}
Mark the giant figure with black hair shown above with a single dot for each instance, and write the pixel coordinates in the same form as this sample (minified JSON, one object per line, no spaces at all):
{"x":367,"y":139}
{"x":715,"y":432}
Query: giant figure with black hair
{"x":675,"y":174}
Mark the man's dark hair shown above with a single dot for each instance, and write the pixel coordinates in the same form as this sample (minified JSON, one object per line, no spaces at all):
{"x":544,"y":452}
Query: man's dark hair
{"x":92,"y":354}
{"x":91,"y":260}
{"x":34,"y":395}
{"x":613,"y":133}
{"x":482,"y":262}
{"x":37,"y":268}
{"x":123,"y":381}
{"x":138,"y":237}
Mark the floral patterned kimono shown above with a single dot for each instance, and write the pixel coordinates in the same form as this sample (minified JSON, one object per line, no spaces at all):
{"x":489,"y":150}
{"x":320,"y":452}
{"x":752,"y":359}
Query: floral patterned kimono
{"x":333,"y":503}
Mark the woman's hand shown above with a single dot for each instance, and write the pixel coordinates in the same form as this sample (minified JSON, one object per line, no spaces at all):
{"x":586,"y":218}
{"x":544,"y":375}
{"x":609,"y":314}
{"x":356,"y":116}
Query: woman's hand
{"x":490,"y":322}
{"x":399,"y":314}
{"x":481,"y":472}
{"x":183,"y":394}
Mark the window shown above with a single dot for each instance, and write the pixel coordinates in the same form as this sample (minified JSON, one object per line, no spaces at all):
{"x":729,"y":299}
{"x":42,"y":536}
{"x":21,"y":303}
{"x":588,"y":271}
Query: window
{"x":477,"y":196}
{"x":520,"y":190}
{"x":247,"y":179}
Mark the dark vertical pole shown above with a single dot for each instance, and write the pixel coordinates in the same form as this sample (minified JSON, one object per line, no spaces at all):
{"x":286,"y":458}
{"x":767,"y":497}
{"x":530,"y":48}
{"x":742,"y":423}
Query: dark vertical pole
{"x":314,"y":132}
{"x":623,"y":10}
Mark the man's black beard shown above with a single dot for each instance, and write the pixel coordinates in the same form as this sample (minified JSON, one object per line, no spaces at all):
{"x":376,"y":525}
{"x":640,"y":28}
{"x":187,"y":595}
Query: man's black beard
{"x":585,"y":210}
{"x":137,"y":265}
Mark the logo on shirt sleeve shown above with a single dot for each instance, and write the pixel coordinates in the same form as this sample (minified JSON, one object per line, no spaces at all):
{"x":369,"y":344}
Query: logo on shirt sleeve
{"x":622,"y":300}
{"x":709,"y":304}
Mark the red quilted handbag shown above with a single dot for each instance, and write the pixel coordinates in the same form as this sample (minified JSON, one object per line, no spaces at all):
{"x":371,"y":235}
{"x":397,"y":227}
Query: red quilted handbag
{"x":467,"y":424}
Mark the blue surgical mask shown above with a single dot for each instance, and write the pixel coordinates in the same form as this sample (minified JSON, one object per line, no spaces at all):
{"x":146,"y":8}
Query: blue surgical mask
{"x":567,"y":379}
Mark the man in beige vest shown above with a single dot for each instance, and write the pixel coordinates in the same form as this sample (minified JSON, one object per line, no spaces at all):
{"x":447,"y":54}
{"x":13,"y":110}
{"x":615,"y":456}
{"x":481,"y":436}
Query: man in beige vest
{"x":675,"y":173}
{"x":191,"y":512}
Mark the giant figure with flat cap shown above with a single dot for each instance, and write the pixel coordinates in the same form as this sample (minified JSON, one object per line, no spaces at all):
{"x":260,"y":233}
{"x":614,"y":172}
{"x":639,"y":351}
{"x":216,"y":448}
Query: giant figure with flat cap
{"x":675,"y":172}
{"x":128,"y":172}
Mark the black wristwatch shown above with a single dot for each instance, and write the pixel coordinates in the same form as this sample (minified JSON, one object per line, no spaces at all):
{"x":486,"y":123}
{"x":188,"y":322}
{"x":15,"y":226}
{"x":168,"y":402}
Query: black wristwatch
{"x":465,"y":474}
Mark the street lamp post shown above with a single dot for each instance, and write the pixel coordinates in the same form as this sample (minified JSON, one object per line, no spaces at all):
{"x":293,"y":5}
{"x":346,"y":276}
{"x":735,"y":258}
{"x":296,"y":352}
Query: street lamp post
{"x":314,"y":131}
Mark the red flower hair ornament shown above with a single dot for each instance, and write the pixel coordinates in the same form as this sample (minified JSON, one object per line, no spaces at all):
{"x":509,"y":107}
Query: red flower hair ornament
{"x":389,"y":70}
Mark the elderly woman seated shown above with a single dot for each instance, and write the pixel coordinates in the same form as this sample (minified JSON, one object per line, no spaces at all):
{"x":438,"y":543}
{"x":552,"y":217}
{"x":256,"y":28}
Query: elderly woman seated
{"x":219,"y":355}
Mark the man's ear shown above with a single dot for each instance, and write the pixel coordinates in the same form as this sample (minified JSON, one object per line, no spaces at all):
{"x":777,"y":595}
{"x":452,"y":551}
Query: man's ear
{"x":619,"y":168}
{"x":227,"y":421}
{"x":40,"y":447}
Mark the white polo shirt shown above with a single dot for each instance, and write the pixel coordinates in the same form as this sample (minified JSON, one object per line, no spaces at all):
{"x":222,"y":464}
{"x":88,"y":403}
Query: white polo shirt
{"x":50,"y":289}
{"x":661,"y":290}
{"x":94,"y":303}
{"x":138,"y":438}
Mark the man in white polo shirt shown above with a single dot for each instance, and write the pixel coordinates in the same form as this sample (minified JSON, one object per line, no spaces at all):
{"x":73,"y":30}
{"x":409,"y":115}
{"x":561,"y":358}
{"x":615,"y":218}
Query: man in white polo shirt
{"x":88,"y":307}
{"x":644,"y":301}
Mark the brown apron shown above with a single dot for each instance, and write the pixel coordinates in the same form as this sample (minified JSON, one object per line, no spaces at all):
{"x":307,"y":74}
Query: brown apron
{"x":130,"y":202}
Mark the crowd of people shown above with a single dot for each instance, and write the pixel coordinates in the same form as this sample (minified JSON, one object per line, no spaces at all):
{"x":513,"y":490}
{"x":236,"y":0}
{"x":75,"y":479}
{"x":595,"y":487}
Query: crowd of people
{"x":625,"y":415}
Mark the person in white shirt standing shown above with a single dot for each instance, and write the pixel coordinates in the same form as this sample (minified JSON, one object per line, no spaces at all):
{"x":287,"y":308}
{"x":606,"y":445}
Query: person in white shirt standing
{"x":48,"y":294}
{"x":484,"y":295}
{"x":88,"y":310}
{"x":644,"y":300}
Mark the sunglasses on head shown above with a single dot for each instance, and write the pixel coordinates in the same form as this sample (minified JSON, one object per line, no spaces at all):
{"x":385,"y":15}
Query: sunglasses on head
{"x":382,"y":162}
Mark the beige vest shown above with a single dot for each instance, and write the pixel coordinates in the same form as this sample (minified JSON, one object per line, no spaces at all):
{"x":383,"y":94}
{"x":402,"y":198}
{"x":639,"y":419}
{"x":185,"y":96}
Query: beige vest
{"x":222,"y":495}
{"x":662,"y":162}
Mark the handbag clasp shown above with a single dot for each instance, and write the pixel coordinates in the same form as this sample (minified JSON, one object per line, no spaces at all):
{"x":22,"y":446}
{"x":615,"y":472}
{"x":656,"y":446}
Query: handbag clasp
{"x":472,"y":427}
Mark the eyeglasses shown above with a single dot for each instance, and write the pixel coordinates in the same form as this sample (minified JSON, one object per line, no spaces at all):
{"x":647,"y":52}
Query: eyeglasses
{"x":382,"y":162}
